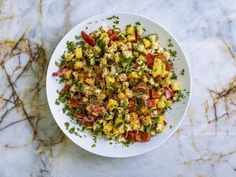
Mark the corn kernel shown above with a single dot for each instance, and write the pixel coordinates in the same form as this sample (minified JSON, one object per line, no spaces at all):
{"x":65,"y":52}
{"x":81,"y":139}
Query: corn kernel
{"x":89,"y":81}
{"x":161,"y":104}
{"x":134,"y":75}
{"x":175,"y":86}
{"x":121,"y":96}
{"x":78,"y":65}
{"x":78,"y":53}
{"x":111,"y":104}
{"x":67,"y":74}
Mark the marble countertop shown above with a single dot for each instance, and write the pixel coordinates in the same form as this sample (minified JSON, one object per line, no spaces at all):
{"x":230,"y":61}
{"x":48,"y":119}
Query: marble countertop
{"x":31,"y":144}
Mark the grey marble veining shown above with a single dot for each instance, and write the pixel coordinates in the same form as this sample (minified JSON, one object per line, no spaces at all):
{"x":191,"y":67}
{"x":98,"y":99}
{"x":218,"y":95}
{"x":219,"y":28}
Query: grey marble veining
{"x":31,"y":144}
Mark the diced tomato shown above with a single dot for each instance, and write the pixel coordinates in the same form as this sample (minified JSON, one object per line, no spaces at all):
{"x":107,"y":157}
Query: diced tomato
{"x":65,"y":89}
{"x":73,"y":102}
{"x":169,"y":92}
{"x":158,"y":79}
{"x":131,"y":105}
{"x":150,"y":103}
{"x":150,"y":59}
{"x":137,"y":136}
{"x":61,"y":71}
{"x":137,"y":37}
{"x":79,"y":117}
{"x":141,"y":86}
{"x":109,"y":32}
{"x":148,"y":75}
{"x":160,"y":56}
{"x":114,"y":37}
{"x":87,"y":122}
{"x":97,"y":110}
{"x":141,"y":136}
{"x":154,"y":94}
{"x":89,"y":39}
{"x":130,"y":135}
{"x":168,"y":65}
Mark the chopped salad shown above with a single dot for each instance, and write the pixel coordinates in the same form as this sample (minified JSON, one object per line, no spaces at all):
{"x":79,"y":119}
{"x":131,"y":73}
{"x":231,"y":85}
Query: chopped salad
{"x":118,"y":83}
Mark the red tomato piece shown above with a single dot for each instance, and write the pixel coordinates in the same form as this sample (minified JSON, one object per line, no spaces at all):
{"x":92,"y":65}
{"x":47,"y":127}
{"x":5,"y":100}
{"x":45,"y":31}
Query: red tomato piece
{"x":141,"y":86}
{"x":154,"y":94}
{"x":61,"y":71}
{"x":150,"y":59}
{"x":87,"y":122}
{"x":97,"y":110}
{"x":109,"y":32}
{"x":160,"y":56}
{"x":131,"y":105}
{"x":150,"y":103}
{"x":65,"y":89}
{"x":148,"y":75}
{"x":73,"y":102}
{"x":89,"y":39}
{"x":137,"y":136}
{"x":141,"y":136}
{"x":130,"y":135}
{"x":137,"y":37}
{"x":158,"y":79}
{"x":169,"y":93}
{"x":114,"y":37}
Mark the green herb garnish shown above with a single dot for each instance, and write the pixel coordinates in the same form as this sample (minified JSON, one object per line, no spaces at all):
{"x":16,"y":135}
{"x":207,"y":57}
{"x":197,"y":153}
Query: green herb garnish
{"x":182,"y":72}
{"x":112,"y":17}
{"x":67,"y":124}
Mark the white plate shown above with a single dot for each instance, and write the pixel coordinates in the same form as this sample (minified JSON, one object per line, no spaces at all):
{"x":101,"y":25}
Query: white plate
{"x":173,"y":117}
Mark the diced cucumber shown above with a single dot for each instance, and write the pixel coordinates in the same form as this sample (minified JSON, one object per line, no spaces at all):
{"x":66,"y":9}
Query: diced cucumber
{"x":135,"y":53}
{"x":92,"y":61}
{"x":139,"y":47}
{"x":121,"y":37}
{"x":153,"y":37}
{"x":97,"y":50}
{"x":116,"y":30}
{"x":139,"y":30}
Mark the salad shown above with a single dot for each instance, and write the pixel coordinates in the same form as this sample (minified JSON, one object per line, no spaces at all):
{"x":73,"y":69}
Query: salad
{"x":118,"y":83}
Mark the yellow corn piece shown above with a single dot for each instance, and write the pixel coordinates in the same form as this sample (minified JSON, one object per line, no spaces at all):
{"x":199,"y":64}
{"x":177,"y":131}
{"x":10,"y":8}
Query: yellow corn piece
{"x":158,"y":68}
{"x":111,"y":104}
{"x":134,"y":121}
{"x":69,"y":56}
{"x":130,"y":30}
{"x":175,"y":86}
{"x":67,"y":74}
{"x":161,"y":104}
{"x":107,"y":128}
{"x":161,"y":123}
{"x":121,"y":96}
{"x":133,"y":75}
{"x":78,"y":53}
{"x":78,"y":65}
{"x":131,"y":38}
{"x":101,"y":96}
{"x":146,"y":43}
{"x":103,"y":62}
{"x":147,"y":120}
{"x":89,"y":81}
{"x":109,"y":80}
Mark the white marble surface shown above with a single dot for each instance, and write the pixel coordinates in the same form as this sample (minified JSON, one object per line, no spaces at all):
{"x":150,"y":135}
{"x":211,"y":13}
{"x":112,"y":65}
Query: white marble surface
{"x":32,"y":145}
